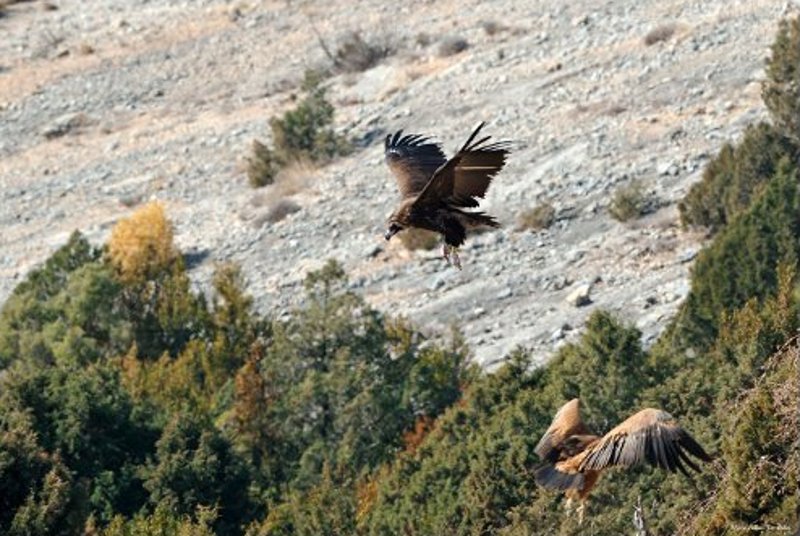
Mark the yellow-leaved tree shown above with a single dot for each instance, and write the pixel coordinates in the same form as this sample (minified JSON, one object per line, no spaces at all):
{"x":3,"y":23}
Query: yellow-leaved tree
{"x":141,"y":245}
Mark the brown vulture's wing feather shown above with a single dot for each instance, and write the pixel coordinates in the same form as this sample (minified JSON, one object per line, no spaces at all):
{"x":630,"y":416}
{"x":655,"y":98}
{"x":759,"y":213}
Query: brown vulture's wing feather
{"x":651,"y":436}
{"x":468,"y":174}
{"x":566,"y":423}
{"x":477,"y":167}
{"x":559,"y":476}
{"x":413,"y":159}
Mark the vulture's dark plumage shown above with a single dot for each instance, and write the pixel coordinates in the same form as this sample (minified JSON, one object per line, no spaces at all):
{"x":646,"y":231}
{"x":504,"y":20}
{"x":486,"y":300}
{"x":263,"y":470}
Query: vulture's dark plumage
{"x":436,"y":191}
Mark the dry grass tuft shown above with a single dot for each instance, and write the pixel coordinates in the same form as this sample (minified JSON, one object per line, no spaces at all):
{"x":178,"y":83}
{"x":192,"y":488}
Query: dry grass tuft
{"x":85,"y":49}
{"x":451,"y":45}
{"x":280,"y":210}
{"x":629,"y":202}
{"x":354,"y":54}
{"x":289,"y":181}
{"x":537,"y":218}
{"x":423,"y":39}
{"x":294,"y":178}
{"x":414,"y":239}
{"x":662,"y":32}
{"x":491,"y":27}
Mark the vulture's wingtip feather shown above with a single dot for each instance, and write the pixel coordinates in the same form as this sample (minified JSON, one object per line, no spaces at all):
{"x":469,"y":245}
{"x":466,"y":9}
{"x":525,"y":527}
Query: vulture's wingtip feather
{"x":473,"y":136}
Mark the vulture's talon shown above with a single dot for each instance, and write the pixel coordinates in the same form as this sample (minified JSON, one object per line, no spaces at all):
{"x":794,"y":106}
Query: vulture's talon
{"x":456,"y":258}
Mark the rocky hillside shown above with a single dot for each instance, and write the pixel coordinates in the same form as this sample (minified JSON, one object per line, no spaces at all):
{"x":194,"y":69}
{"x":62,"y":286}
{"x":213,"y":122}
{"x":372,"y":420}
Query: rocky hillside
{"x":104,"y":108}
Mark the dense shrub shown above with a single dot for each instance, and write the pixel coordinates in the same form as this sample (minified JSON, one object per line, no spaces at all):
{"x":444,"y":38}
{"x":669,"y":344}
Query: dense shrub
{"x":760,"y":449}
{"x":735,"y":177}
{"x":66,"y":311}
{"x":475,"y":465}
{"x":130,"y":403}
{"x":346,"y":384}
{"x":261,"y":165}
{"x":743,"y":261}
{"x":141,"y":246}
{"x":84,"y":438}
{"x":303,"y":134}
{"x":629,"y":201}
{"x":195,"y":466}
{"x":781,"y":89}
{"x":162,"y":521}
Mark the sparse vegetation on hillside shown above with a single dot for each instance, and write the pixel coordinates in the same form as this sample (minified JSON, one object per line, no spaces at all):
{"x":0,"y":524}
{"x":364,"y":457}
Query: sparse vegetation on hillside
{"x":415,"y":238}
{"x":629,"y":202}
{"x":537,"y":218}
{"x":303,"y":134}
{"x":261,"y":165}
{"x":355,"y":54}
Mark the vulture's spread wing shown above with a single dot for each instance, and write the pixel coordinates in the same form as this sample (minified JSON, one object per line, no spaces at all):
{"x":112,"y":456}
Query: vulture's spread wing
{"x":558,"y":476}
{"x":413,"y":159}
{"x":651,"y":436}
{"x":566,"y":423}
{"x":468,"y":174}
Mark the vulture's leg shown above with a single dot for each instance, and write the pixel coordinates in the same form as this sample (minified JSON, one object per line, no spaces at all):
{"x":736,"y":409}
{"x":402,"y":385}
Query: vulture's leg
{"x":568,"y":506}
{"x":456,"y":259}
{"x":581,"y":509}
{"x":446,"y":252}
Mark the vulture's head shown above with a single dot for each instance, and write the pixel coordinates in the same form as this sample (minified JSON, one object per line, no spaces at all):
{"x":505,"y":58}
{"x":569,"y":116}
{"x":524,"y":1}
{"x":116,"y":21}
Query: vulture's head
{"x":400,"y":219}
{"x":393,"y":229}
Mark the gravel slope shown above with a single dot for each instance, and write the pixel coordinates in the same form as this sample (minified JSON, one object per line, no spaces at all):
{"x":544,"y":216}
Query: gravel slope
{"x":104,"y":108}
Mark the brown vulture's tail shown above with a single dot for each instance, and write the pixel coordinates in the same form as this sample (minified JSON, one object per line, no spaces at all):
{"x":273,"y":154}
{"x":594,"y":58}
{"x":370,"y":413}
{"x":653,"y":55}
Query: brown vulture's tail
{"x":478,"y":219}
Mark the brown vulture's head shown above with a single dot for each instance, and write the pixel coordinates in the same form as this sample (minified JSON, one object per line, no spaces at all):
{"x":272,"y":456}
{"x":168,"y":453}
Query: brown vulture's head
{"x":392,"y":230}
{"x":400,"y":218}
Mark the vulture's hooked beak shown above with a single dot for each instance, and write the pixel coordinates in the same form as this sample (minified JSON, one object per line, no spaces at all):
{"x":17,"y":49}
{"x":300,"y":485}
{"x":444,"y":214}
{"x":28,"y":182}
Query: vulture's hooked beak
{"x":389,"y":233}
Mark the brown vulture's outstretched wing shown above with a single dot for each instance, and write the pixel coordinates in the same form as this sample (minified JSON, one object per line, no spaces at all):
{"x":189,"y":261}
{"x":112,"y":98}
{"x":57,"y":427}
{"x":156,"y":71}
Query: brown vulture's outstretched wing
{"x":413,"y":159}
{"x":566,"y":423}
{"x":560,"y":442}
{"x":651,"y":436}
{"x":468,"y":174}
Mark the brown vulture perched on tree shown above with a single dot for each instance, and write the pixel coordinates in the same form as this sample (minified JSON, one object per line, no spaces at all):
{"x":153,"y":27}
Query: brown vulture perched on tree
{"x":435,"y":191}
{"x":574,"y":457}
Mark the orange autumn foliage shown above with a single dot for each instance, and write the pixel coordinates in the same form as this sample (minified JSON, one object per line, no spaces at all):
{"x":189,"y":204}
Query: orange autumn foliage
{"x":141,"y":245}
